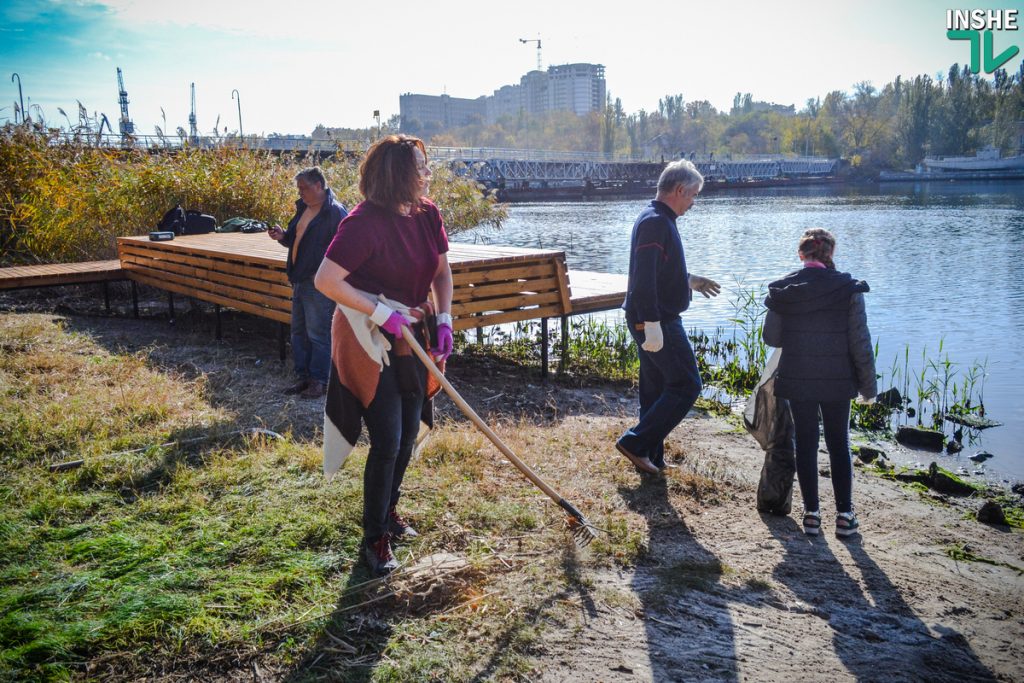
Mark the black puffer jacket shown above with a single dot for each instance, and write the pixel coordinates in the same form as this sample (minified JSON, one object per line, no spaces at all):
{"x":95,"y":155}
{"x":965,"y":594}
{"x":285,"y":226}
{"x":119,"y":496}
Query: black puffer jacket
{"x":817,"y":316}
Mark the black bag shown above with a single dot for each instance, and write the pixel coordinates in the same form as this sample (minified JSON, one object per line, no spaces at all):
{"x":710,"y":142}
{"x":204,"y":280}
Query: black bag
{"x":173,"y":221}
{"x":198,"y":223}
{"x":769,"y":421}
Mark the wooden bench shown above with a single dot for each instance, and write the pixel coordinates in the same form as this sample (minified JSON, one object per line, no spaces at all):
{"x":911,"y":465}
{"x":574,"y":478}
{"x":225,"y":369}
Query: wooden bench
{"x":244,"y":274}
{"x":492,"y":284}
{"x":60,"y":274}
{"x":495,"y":285}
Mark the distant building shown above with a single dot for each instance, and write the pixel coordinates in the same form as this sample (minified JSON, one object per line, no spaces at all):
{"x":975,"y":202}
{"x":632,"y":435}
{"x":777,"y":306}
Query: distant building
{"x":441,"y":111}
{"x":579,"y":88}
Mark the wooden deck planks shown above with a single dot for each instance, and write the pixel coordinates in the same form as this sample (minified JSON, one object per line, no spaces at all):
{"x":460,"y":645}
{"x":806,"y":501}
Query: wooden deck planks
{"x":55,"y":274}
{"x":593,"y":292}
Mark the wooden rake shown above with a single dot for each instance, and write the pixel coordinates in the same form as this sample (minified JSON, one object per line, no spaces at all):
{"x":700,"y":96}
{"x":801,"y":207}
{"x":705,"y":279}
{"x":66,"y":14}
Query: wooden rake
{"x":583,"y":532}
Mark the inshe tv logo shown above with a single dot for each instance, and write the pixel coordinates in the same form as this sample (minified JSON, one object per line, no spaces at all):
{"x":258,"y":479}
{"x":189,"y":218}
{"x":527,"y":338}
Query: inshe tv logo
{"x":978,"y":26}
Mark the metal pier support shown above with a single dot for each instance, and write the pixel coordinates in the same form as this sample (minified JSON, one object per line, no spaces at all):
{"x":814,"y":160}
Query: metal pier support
{"x":544,"y":348}
{"x":563,"y":352}
{"x":135,"y":298}
{"x":280,"y":340}
{"x":219,"y":331}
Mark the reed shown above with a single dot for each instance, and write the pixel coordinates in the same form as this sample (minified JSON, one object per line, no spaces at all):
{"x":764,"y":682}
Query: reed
{"x":940,"y":388}
{"x":62,"y":199}
{"x":729,"y":359}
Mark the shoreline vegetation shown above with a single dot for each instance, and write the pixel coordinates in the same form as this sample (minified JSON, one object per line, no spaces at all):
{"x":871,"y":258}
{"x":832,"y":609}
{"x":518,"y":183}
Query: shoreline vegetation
{"x":66,"y":201}
{"x":214,"y":557}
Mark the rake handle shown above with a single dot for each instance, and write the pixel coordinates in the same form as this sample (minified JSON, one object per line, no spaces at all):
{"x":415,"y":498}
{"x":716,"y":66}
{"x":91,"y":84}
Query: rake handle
{"x":468,"y":411}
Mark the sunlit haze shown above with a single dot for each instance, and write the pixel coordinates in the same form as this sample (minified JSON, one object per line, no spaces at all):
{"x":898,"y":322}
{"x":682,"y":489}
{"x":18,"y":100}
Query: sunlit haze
{"x":300,"y":64}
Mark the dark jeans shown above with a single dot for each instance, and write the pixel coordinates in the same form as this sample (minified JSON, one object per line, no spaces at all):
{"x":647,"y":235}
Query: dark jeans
{"x":393,"y":422}
{"x":311,"y":332}
{"x":835,"y":418}
{"x":669,"y":385}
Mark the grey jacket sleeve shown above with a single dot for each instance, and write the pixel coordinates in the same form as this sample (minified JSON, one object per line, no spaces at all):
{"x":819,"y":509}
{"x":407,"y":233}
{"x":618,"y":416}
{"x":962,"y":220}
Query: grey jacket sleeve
{"x":771,"y":332}
{"x":859,"y":340}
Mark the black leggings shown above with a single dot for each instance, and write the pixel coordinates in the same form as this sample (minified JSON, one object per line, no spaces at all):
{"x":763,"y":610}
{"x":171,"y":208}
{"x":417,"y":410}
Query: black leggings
{"x":835,"y":418}
{"x":393,"y":422}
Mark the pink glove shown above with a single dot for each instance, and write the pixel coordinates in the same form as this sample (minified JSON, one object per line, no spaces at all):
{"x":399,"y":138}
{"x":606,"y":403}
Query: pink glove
{"x":394,"y":323}
{"x":445,"y":343}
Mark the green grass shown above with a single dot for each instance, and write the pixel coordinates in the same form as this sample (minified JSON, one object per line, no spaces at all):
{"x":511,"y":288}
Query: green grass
{"x":197,"y":559}
{"x":963,"y":553}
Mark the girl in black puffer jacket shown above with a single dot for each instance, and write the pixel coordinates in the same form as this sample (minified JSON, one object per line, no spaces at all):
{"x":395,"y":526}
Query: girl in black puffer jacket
{"x":816,"y":314}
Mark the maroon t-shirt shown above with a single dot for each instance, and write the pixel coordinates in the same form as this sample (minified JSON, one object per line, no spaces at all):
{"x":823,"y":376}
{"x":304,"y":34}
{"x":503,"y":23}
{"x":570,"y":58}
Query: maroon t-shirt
{"x":389,"y":254}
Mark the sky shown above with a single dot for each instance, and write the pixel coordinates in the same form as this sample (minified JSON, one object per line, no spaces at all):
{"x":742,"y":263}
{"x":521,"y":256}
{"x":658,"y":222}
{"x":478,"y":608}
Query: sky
{"x":299,"y":64}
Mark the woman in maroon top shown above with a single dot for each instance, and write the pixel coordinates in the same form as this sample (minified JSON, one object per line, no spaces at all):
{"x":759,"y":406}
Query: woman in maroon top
{"x":393,"y":243}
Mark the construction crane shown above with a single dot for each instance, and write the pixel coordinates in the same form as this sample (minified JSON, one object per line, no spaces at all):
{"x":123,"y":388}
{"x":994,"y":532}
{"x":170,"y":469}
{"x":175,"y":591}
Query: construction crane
{"x":534,"y":40}
{"x":125,"y":124}
{"x":193,"y":129}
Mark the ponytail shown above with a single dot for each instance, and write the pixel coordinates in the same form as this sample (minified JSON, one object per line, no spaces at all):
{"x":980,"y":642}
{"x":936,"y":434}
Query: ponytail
{"x":818,"y":244}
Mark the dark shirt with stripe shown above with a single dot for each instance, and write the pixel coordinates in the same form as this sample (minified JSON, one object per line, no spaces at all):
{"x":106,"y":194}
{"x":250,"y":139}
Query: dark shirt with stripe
{"x":658,"y":286}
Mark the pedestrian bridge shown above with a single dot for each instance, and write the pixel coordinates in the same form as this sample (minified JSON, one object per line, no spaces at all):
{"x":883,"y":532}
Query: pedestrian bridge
{"x":522,"y":168}
{"x":498,"y":168}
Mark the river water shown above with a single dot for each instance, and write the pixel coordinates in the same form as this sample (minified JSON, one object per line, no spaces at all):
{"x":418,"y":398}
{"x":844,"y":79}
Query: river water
{"x":945,"y":262}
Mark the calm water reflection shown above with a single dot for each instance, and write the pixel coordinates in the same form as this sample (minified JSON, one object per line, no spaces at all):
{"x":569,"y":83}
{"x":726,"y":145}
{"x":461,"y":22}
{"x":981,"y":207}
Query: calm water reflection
{"x":945,"y":261}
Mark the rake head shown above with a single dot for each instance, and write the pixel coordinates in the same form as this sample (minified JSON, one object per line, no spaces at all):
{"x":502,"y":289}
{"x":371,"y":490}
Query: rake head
{"x":583,"y":532}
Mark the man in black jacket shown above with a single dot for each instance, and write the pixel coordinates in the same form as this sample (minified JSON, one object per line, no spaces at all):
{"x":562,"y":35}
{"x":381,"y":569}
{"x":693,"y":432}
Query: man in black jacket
{"x":309,"y":233}
{"x":659,"y":289}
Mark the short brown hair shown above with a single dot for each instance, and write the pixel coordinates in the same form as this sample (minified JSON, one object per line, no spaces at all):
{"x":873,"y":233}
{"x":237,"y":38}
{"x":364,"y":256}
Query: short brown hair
{"x":388,"y":175}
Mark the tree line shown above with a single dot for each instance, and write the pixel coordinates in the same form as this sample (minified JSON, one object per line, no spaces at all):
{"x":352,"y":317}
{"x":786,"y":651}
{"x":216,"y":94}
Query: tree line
{"x":895,"y":126}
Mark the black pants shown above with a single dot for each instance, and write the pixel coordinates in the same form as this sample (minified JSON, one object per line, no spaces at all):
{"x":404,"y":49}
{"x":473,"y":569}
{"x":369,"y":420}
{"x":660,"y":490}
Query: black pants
{"x":835,"y":418}
{"x":393,"y":422}
{"x":669,"y":386}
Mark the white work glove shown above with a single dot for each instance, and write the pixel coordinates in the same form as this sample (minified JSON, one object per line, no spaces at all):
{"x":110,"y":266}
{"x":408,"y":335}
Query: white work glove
{"x":704,"y":285}
{"x":653,"y":337}
{"x":389,"y":319}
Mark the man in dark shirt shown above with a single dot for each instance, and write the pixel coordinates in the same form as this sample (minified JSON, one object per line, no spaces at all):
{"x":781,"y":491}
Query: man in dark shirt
{"x":309,"y":233}
{"x":659,"y":290}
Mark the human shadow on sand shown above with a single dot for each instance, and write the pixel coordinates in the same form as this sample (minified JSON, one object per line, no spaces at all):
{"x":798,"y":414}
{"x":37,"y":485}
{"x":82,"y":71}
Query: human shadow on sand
{"x":688,"y":624}
{"x":876,"y":635}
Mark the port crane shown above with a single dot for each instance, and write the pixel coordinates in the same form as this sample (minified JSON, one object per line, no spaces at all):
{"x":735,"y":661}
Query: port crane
{"x":125,"y":124}
{"x":534,"y":40}
{"x":193,"y":129}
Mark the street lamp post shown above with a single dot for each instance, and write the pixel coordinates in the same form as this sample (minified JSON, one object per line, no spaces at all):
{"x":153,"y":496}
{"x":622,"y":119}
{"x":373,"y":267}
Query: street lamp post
{"x":237,"y":95}
{"x":376,"y":115}
{"x":21,"y":101}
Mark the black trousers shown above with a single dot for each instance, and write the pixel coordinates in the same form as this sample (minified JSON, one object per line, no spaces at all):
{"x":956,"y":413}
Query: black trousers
{"x":835,"y":418}
{"x":393,"y":421}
